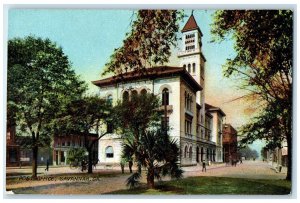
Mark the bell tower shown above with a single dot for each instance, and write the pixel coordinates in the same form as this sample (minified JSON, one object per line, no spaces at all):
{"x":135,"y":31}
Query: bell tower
{"x":192,"y":58}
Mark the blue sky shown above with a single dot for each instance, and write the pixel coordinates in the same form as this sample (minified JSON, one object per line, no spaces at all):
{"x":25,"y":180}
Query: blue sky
{"x":89,"y":37}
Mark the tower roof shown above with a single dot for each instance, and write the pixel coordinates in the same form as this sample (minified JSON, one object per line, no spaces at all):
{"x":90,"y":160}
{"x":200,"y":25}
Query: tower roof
{"x":191,"y":24}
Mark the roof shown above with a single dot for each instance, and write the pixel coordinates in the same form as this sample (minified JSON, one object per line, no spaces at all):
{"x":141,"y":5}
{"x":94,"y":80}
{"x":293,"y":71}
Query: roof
{"x":191,"y":24}
{"x":149,"y":73}
{"x":211,"y":108}
{"x":229,"y":129}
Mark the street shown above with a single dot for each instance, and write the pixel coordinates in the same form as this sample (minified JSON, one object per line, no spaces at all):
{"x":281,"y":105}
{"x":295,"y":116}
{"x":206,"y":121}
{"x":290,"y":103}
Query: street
{"x":66,"y":181}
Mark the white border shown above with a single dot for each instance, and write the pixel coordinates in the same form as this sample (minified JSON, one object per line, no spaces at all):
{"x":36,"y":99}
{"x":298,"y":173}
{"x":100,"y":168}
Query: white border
{"x":126,"y":4}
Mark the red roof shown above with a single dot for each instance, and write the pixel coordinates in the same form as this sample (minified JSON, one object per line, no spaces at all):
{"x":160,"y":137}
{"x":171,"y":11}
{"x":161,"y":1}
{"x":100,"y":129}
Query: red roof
{"x":149,"y":73}
{"x":191,"y":24}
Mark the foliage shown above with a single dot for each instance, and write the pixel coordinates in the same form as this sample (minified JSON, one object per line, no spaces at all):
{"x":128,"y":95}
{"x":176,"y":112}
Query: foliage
{"x":248,"y":153}
{"x":132,"y":116}
{"x":82,"y":116}
{"x":263,"y":62}
{"x":39,"y":81}
{"x":157,"y":153}
{"x":76,"y":155}
{"x":149,"y":42}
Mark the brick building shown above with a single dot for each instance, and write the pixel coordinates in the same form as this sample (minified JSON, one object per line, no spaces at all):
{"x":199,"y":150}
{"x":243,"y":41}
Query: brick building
{"x":62,"y":144}
{"x":229,"y":143}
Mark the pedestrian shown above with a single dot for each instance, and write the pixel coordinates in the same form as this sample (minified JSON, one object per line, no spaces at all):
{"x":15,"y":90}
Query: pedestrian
{"x":82,"y":165}
{"x":241,"y":161}
{"x":122,"y":164}
{"x":47,"y":165}
{"x":203,"y":166}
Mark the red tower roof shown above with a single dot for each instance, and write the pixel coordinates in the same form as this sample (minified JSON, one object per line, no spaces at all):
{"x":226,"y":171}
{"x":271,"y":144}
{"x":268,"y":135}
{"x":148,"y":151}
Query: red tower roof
{"x":191,"y":24}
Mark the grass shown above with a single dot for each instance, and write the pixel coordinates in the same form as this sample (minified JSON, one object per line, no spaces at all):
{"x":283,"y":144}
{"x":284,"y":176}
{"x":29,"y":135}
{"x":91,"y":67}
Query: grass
{"x":215,"y":186}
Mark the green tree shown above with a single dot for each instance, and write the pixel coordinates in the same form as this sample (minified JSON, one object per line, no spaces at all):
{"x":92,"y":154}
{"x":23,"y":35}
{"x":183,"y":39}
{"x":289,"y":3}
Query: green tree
{"x":75,"y":155}
{"x":40,"y":80}
{"x":132,"y":116}
{"x":156,"y":152}
{"x":83,"y":116}
{"x":263,"y":62}
{"x":149,"y":42}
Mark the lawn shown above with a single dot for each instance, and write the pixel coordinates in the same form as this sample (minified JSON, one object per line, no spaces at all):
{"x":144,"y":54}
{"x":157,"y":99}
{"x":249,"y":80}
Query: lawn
{"x":214,"y":186}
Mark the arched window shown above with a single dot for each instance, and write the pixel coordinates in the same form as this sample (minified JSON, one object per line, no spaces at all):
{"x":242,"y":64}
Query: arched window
{"x":194,"y":67}
{"x":109,"y":152}
{"x":190,"y":152}
{"x":143,"y":92}
{"x":134,"y":93}
{"x":125,"y":96}
{"x":109,"y":100}
{"x":185,"y":151}
{"x":184,"y":66}
{"x":189,"y":68}
{"x":165,"y":96}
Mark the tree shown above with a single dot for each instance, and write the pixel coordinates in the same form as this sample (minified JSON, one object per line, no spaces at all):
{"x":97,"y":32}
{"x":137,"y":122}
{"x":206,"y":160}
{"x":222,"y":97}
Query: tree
{"x":149,"y":42}
{"x":157,"y":153}
{"x":83,"y":116}
{"x":40,"y":80}
{"x":132,"y":116}
{"x":248,"y":153}
{"x":263,"y":62}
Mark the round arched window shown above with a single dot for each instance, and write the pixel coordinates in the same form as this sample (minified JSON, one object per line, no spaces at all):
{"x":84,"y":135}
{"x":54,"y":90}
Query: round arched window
{"x":109,"y":152}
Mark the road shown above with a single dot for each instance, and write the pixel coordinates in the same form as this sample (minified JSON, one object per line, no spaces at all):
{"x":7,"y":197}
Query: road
{"x":249,"y":170}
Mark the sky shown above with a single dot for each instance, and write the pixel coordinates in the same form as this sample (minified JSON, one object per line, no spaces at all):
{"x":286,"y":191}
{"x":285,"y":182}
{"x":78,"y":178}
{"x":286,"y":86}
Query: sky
{"x":89,"y":37}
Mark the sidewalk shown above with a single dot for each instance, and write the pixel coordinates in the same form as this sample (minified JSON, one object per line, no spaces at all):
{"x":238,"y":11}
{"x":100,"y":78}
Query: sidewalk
{"x":248,"y":169}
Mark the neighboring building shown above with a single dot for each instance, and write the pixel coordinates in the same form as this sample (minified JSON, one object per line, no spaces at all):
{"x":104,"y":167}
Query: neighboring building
{"x":278,"y":156}
{"x":19,"y":155}
{"x":229,"y":143}
{"x":195,"y":125}
{"x":12,"y":148}
{"x":62,"y":144}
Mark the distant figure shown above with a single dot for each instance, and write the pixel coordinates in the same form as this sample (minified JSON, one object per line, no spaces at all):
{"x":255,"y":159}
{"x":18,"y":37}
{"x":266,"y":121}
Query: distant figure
{"x":47,"y":165}
{"x":203,"y":166}
{"x":130,"y":165}
{"x":241,"y":161}
{"x":95,"y":163}
{"x":234,"y":162}
{"x":82,"y":165}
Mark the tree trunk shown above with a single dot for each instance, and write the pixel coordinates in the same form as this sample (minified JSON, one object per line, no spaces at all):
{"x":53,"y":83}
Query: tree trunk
{"x":150,"y":178}
{"x":34,"y":161}
{"x":90,"y":161}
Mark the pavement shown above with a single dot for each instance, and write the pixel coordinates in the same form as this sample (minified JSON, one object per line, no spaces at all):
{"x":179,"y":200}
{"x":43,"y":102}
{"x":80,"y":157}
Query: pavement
{"x":248,"y":169}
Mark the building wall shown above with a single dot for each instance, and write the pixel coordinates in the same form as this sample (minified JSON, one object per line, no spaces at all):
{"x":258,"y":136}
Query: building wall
{"x":152,"y":86}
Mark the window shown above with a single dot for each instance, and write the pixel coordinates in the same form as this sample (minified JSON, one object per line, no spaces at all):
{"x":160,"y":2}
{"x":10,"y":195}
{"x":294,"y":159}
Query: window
{"x":189,"y":68}
{"x":109,"y":152}
{"x":165,"y":96}
{"x":184,"y":66}
{"x":185,"y":151}
{"x":194,"y":67}
{"x":125,"y":96}
{"x":190,"y":152}
{"x":188,"y":127}
{"x":134,"y":93}
{"x":109,"y":127}
{"x":109,"y":100}
{"x":143,"y":92}
{"x":164,"y":123}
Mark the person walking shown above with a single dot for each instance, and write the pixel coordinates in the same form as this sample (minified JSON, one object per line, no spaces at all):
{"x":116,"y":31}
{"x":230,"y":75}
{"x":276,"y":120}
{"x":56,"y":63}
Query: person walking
{"x":203,"y":166}
{"x":47,"y":165}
